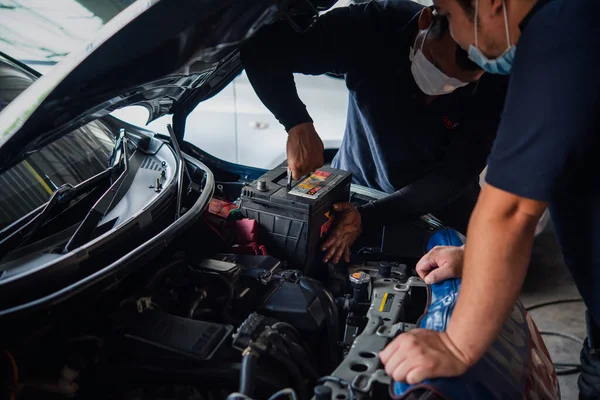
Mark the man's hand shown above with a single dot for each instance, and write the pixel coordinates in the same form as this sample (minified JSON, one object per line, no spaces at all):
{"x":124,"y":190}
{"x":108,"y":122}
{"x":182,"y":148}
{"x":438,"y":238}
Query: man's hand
{"x":304,"y":150}
{"x":422,"y":354}
{"x":347,"y":227}
{"x":441,"y":263}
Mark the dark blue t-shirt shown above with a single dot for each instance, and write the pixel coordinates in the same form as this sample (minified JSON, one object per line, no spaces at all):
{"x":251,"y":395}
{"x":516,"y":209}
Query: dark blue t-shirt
{"x":549,"y":136}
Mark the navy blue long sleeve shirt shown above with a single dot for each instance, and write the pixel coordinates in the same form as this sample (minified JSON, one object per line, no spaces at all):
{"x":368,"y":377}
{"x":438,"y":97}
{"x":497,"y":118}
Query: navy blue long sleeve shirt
{"x":423,"y":155}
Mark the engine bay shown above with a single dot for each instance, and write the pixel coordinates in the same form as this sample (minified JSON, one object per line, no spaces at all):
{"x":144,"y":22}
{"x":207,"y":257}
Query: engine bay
{"x":218,"y":316}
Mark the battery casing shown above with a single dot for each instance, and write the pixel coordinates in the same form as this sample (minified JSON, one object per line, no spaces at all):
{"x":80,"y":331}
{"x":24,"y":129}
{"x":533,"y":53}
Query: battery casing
{"x":293,"y":222}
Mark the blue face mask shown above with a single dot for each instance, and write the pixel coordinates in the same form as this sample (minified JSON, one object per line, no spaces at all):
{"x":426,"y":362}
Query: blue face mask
{"x":500,"y":65}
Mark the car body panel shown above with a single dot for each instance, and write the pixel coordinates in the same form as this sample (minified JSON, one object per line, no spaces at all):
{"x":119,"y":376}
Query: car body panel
{"x":183,"y":64}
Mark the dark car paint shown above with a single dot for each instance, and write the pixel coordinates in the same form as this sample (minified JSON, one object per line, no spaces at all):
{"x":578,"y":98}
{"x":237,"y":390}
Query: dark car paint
{"x":153,"y":61}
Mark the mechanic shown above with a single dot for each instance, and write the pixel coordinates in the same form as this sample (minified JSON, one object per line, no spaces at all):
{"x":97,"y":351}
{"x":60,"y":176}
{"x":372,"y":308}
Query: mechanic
{"x":545,"y":155}
{"x":416,"y":126}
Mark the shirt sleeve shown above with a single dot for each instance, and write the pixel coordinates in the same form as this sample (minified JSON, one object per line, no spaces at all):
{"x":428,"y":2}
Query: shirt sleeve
{"x":549,"y":126}
{"x":338,"y":41}
{"x":465,"y":160}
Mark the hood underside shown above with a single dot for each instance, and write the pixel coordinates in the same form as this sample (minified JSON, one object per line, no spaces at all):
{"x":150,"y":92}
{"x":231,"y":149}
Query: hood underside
{"x":157,"y":53}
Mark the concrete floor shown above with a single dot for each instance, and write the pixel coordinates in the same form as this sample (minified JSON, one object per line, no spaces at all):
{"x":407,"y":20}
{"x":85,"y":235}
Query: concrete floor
{"x":548,"y":279}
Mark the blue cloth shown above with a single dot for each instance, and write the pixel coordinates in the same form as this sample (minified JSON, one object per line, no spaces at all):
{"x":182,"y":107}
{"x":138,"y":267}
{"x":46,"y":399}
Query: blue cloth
{"x":516,"y":365}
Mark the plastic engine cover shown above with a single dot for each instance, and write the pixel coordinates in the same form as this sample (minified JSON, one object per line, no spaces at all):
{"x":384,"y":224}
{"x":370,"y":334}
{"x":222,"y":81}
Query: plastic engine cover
{"x":297,"y":304}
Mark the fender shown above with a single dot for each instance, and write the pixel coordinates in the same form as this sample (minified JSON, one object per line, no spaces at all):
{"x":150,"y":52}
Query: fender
{"x":517,"y":365}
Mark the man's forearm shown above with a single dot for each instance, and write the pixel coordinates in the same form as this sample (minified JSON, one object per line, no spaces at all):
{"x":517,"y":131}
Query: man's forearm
{"x":497,"y":253}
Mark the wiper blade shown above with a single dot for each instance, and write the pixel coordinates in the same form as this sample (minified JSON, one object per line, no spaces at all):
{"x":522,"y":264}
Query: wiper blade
{"x":15,"y":236}
{"x":100,"y":209}
{"x":60,"y":196}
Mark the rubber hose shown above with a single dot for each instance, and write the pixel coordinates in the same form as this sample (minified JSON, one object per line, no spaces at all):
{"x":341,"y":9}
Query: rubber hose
{"x":230,"y":292}
{"x":295,"y":373}
{"x":248,"y":374}
{"x":332,"y":326}
{"x":284,"y":327}
{"x":302,"y":359}
{"x":162,"y":272}
{"x":295,"y":352}
{"x":199,"y":298}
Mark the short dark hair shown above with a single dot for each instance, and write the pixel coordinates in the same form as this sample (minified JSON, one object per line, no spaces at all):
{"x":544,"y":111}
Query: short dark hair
{"x":439,"y":26}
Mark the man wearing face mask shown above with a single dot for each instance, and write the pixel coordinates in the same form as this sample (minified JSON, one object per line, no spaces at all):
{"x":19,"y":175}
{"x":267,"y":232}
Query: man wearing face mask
{"x":545,"y":155}
{"x":415,"y":129}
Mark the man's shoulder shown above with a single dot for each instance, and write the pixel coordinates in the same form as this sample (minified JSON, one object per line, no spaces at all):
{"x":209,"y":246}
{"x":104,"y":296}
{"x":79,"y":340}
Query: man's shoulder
{"x":397,"y":12}
{"x":555,"y":26}
{"x":490,"y":93}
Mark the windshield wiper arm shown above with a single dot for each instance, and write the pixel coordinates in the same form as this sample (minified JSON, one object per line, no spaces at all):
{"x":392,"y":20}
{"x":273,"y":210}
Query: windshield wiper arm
{"x":101,"y":207}
{"x":61,"y":195}
{"x":181,"y":168}
{"x":15,"y":236}
{"x":18,"y":237}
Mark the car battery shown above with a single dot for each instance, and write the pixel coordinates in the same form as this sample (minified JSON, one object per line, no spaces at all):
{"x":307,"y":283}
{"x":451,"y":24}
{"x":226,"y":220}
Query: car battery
{"x":294,"y":219}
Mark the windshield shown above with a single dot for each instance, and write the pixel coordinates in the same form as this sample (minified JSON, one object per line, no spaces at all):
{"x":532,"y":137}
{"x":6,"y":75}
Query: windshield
{"x":71,"y":159}
{"x":45,"y":31}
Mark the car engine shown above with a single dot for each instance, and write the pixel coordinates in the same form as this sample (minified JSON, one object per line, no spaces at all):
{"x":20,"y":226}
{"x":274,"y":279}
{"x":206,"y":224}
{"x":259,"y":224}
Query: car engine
{"x":217,"y":316}
{"x":269,"y":328}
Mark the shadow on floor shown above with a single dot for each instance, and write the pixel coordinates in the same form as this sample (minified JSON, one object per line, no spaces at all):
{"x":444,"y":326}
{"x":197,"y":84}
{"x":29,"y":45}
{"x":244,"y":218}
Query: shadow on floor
{"x":548,"y":279}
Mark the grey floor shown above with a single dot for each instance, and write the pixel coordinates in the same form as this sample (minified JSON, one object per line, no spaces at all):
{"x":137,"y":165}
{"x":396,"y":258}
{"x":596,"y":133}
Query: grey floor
{"x":548,"y":279}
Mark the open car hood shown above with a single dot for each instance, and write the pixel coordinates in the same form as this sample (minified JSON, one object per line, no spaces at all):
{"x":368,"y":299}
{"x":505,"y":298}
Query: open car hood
{"x":162,"y":54}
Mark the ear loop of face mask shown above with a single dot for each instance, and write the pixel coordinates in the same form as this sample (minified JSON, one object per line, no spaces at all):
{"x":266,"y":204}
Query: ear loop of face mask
{"x":505,"y":24}
{"x":423,"y":41}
